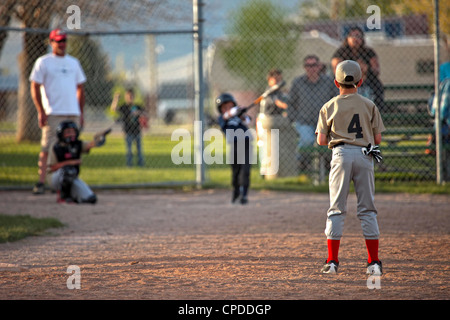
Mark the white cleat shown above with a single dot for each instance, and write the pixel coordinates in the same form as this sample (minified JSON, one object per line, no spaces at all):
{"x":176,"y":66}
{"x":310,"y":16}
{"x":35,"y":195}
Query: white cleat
{"x":375,"y":268}
{"x":330,"y":267}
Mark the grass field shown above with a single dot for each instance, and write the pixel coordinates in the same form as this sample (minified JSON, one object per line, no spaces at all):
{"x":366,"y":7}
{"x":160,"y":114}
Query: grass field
{"x":13,"y":228}
{"x":105,"y":167}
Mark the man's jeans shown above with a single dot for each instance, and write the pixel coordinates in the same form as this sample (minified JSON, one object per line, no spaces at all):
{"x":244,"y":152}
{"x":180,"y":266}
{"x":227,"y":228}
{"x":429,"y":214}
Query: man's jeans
{"x":306,"y":133}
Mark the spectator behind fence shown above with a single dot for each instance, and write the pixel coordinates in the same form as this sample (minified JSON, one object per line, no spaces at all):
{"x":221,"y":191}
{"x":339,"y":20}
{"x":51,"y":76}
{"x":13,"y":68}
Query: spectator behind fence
{"x":272,"y":115}
{"x":354,"y":48}
{"x":444,"y":109}
{"x":275,"y":103}
{"x":369,"y":89}
{"x":444,"y":113}
{"x":308,"y":93}
{"x":444,"y":68}
{"x":130,"y":114}
{"x":58,"y":94}
{"x":444,"y":71}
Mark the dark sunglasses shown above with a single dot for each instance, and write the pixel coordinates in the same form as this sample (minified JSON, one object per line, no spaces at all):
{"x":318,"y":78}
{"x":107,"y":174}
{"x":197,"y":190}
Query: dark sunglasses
{"x":60,"y":41}
{"x":310,"y":65}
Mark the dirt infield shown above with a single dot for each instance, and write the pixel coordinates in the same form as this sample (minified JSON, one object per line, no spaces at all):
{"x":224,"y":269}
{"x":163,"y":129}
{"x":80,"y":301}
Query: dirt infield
{"x":165,"y":245}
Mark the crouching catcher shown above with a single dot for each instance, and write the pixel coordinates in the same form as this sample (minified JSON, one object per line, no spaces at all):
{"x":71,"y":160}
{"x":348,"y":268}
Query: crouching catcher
{"x":64,"y":165}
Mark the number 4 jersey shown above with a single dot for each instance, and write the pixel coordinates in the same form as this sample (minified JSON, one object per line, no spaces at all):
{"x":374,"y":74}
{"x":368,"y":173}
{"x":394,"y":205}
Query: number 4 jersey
{"x":356,"y":123}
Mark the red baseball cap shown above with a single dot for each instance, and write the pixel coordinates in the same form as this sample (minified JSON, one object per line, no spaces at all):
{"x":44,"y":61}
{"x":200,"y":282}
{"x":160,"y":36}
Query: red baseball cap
{"x":57,"y":35}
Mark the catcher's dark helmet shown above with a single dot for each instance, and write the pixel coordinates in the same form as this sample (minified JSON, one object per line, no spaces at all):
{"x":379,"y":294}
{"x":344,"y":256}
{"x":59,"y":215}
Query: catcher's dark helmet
{"x":223,"y":98}
{"x":63,"y":126}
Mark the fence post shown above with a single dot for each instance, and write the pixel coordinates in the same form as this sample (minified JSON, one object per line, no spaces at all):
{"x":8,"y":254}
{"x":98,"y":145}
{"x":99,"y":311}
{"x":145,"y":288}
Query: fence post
{"x":437,"y":118}
{"x":197,"y":7}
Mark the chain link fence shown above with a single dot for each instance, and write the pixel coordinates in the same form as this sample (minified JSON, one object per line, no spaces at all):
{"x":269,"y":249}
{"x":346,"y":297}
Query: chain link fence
{"x":122,"y":46}
{"x":127,"y":45}
{"x":394,"y":45}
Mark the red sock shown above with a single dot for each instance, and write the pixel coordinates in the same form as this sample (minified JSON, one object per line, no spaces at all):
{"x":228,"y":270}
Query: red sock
{"x":372,"y":249}
{"x":333,"y":249}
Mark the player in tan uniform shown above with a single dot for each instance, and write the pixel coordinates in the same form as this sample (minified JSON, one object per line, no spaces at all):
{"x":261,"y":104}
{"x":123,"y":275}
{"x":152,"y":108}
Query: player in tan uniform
{"x":351,"y":126}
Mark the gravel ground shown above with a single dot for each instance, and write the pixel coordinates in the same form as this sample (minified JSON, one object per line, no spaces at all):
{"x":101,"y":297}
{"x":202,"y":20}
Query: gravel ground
{"x":174,"y":245}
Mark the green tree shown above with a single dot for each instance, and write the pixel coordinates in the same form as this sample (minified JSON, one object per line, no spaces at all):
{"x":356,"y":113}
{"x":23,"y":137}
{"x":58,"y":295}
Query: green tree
{"x":39,"y":14}
{"x":340,"y":9}
{"x":261,"y":38}
{"x":427,"y":7}
{"x":95,"y":65}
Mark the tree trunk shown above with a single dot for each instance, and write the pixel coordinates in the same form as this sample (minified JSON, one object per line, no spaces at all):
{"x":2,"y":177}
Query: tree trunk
{"x":6,"y":12}
{"x":34,"y":46}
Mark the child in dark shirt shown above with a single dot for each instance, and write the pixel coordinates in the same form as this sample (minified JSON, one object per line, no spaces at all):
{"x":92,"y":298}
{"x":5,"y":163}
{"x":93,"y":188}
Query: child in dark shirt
{"x":235,"y":126}
{"x":64,"y":165}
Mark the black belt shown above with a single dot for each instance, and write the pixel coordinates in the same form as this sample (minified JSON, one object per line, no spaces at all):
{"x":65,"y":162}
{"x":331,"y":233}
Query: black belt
{"x":339,"y":144}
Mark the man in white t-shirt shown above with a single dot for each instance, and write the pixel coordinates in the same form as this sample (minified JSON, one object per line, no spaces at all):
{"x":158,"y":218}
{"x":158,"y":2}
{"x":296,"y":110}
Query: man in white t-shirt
{"x":58,"y":93}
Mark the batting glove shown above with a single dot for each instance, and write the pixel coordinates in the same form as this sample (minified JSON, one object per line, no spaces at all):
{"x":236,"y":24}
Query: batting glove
{"x":374,"y":151}
{"x":233,"y":111}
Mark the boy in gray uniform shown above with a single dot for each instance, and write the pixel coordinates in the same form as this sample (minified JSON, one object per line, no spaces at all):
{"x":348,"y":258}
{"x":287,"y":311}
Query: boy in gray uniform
{"x":351,"y":125}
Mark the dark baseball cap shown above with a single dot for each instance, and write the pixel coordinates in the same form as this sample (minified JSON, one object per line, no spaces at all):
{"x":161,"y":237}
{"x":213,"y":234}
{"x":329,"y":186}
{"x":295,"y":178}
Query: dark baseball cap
{"x":348,"y":72}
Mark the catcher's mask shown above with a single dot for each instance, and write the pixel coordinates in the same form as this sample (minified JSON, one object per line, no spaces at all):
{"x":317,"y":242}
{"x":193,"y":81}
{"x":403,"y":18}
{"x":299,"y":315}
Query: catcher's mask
{"x":63,"y":126}
{"x":223,"y":98}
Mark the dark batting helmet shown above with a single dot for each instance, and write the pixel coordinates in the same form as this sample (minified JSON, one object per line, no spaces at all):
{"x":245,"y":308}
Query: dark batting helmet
{"x":63,"y":126}
{"x":223,"y":98}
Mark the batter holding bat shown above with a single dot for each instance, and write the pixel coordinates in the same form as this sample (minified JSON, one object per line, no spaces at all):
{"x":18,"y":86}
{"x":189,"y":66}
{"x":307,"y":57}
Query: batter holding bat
{"x":351,"y":126}
{"x":64,"y":163}
{"x":234,"y":124}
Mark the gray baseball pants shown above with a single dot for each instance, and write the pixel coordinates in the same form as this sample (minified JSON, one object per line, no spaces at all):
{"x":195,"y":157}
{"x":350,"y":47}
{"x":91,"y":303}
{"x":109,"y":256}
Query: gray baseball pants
{"x":350,"y":164}
{"x":79,"y":191}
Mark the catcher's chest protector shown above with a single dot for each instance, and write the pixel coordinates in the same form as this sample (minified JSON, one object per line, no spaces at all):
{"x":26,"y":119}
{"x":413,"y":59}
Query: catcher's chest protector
{"x":68,"y":151}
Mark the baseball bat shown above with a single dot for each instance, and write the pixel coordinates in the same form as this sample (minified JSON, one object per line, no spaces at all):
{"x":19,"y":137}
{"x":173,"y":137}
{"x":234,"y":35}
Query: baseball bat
{"x":266,"y":93}
{"x":103,"y":132}
{"x":100,"y":137}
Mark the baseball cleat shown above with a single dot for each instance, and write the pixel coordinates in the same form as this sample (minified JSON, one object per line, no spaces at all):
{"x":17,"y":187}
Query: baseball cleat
{"x":39,"y":188}
{"x":62,"y":198}
{"x":330,"y":267}
{"x":91,"y":199}
{"x":375,"y":268}
{"x":235,"y":195}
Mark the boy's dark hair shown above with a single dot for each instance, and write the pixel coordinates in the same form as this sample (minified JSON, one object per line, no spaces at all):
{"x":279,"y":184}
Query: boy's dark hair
{"x":355,"y":28}
{"x":273,"y":72}
{"x":311,"y":56}
{"x":348,"y":86}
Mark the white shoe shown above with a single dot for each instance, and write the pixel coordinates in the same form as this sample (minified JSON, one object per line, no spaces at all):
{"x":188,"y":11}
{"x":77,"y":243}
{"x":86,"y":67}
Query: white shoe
{"x":375,"y":268}
{"x":330,"y":267}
